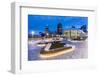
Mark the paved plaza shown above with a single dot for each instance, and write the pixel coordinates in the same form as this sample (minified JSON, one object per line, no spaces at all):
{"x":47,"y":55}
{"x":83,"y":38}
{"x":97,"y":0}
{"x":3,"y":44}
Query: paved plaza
{"x":81,"y":51}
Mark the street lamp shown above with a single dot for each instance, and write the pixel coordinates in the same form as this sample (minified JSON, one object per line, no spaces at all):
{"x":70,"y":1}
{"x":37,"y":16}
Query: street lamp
{"x":32,"y":33}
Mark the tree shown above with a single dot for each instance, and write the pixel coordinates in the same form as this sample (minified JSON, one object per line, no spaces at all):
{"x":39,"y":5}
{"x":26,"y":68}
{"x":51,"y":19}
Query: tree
{"x":73,"y":26}
{"x":84,"y":28}
{"x":42,"y":34}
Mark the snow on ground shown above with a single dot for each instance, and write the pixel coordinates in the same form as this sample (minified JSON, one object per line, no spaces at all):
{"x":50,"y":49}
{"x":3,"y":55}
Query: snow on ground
{"x":81,"y":51}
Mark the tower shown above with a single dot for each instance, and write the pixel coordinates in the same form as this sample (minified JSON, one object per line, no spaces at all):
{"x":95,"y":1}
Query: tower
{"x":46,"y":31}
{"x":59,"y":29}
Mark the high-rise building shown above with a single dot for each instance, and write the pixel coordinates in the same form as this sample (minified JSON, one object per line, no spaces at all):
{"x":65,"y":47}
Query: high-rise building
{"x":59,"y":29}
{"x":46,"y":31}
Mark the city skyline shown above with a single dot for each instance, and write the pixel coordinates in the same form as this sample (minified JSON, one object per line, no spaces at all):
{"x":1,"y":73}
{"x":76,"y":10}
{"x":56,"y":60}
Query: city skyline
{"x":57,"y":37}
{"x":37,"y":23}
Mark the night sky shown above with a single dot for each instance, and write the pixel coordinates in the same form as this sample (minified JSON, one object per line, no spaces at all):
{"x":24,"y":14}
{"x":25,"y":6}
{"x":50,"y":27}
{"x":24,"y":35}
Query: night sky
{"x":37,"y":23}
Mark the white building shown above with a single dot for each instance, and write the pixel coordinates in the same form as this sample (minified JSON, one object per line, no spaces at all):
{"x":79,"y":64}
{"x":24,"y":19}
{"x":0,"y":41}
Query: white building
{"x":75,"y":34}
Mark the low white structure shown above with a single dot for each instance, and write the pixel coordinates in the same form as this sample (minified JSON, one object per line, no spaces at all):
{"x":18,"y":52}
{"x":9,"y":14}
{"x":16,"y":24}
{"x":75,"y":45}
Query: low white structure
{"x":74,"y":34}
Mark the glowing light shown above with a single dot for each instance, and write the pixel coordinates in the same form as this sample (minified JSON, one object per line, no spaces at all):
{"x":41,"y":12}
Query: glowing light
{"x":56,"y":54}
{"x":32,"y":32}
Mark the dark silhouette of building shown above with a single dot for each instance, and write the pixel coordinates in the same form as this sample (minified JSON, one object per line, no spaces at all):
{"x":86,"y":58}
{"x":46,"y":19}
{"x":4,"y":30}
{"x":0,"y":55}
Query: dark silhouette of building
{"x":59,"y":29}
{"x":46,"y":31}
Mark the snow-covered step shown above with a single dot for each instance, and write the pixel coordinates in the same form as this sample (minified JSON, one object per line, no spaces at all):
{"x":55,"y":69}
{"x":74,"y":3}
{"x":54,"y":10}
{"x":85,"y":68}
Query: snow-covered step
{"x":47,"y":47}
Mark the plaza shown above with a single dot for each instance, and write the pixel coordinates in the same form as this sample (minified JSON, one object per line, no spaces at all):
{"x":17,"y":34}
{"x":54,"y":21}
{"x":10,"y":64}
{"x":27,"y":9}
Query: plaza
{"x":80,"y":51}
{"x":57,"y":37}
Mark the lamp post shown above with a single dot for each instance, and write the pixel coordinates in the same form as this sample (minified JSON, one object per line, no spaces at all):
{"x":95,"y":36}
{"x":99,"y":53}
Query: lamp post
{"x":32,"y":33}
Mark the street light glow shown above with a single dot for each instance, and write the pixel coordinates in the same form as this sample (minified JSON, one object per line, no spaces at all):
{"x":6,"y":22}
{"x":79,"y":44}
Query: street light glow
{"x":32,"y":32}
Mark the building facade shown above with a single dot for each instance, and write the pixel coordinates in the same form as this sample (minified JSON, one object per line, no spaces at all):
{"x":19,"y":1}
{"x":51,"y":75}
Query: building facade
{"x":59,"y":29}
{"x":74,"y":34}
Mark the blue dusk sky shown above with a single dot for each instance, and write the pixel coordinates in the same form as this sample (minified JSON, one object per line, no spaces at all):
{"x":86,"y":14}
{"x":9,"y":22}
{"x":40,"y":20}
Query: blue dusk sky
{"x":37,"y":23}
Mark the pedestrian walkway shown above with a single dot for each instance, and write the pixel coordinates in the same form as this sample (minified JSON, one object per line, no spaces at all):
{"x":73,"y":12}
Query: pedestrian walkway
{"x":47,"y":47}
